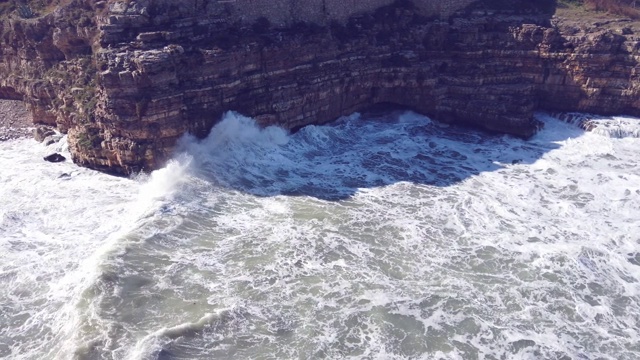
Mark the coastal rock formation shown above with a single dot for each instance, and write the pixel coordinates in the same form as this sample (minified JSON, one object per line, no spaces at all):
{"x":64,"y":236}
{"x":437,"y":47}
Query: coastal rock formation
{"x":126,"y":79}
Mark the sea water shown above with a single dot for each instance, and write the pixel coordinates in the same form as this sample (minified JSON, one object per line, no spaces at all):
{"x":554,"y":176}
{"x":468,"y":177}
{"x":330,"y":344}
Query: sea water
{"x":375,"y":237}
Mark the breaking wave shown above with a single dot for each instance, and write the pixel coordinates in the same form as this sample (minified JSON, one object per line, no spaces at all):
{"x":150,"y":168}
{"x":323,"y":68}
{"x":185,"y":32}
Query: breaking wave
{"x":374,"y":237}
{"x":615,"y":127}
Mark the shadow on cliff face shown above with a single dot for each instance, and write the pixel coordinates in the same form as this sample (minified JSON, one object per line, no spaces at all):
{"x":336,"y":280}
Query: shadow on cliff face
{"x":333,"y":162}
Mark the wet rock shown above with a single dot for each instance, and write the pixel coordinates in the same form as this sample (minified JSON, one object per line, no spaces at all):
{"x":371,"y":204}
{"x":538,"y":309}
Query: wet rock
{"x":55,"y":158}
{"x":52,"y":139}
{"x":43,"y":132}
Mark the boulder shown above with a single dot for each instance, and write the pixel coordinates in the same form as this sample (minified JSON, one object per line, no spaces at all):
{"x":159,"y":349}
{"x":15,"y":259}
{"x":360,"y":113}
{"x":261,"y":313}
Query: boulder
{"x":43,"y":132}
{"x":55,"y":158}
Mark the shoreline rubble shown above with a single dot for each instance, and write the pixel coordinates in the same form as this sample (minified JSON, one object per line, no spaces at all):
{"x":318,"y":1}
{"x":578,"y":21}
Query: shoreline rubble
{"x":15,"y":120}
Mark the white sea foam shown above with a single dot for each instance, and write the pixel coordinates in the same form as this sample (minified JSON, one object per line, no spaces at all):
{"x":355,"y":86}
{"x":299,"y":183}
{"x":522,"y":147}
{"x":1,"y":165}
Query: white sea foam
{"x":385,"y":238}
{"x":58,"y":223}
{"x":53,"y":217}
{"x":619,"y":127}
{"x":616,"y":126}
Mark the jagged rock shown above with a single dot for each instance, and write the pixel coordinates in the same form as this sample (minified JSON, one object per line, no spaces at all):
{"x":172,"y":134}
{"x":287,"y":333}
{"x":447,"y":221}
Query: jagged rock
{"x":55,"y":158}
{"x":42,"y":133}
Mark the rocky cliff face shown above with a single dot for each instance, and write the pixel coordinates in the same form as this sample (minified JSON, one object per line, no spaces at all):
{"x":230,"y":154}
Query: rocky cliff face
{"x":48,"y":63}
{"x":163,"y":68}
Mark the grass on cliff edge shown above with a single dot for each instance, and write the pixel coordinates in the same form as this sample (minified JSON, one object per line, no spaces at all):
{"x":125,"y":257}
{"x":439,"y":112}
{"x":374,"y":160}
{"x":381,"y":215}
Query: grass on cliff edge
{"x":627,"y":8}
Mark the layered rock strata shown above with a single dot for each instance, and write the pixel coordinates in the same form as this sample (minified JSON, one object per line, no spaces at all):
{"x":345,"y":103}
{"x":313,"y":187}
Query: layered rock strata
{"x":161,"y":69}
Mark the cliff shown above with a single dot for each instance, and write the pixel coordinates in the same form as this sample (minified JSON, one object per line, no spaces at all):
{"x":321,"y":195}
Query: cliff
{"x":126,"y":79}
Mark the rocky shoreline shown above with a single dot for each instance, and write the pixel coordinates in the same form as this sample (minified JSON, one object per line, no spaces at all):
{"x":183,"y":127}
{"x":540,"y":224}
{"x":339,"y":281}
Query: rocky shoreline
{"x":15,"y":120}
{"x":126,"y":79}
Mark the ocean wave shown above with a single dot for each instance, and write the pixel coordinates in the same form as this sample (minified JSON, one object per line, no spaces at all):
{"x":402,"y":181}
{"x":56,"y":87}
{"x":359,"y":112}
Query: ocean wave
{"x":389,"y":237}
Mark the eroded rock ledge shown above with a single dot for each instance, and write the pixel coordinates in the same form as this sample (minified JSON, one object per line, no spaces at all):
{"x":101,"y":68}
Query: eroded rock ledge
{"x":126,"y":79}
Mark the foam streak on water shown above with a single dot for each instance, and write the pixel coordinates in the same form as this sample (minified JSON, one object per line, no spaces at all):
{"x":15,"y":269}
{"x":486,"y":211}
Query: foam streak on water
{"x":57,"y":224}
{"x":371,"y":238}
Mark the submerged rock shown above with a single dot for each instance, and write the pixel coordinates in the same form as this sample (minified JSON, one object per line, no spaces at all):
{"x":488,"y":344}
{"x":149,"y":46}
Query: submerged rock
{"x":52,"y":139}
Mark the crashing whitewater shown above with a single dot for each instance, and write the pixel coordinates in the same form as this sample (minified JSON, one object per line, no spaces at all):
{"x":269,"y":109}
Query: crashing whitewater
{"x":384,"y":237}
